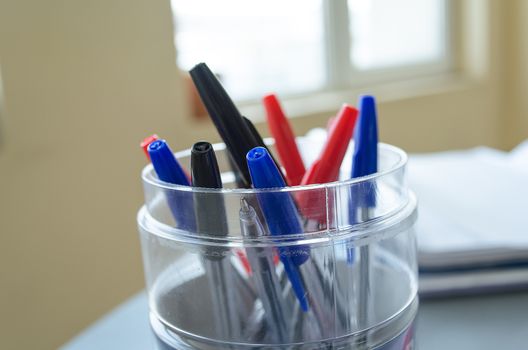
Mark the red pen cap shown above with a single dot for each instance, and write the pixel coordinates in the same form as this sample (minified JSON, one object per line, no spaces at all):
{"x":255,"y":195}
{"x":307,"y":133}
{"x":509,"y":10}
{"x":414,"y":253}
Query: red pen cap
{"x":146,"y":142}
{"x":326,"y":168}
{"x":284,"y":140}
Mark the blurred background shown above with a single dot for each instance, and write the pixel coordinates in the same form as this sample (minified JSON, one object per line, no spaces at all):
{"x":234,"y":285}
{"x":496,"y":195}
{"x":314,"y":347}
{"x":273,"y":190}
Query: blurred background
{"x":83,"y":82}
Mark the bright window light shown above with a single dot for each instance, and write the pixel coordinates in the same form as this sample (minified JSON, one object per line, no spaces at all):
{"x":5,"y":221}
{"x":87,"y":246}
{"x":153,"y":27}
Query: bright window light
{"x":254,"y":46}
{"x":388,"y":33}
{"x":283,"y":46}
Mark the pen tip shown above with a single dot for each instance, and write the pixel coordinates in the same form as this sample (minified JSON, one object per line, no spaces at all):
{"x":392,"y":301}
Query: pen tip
{"x":244,"y":204}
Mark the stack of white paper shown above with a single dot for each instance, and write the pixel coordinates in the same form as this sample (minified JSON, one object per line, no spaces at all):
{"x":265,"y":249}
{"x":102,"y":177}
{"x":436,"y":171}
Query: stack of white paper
{"x":473,"y":211}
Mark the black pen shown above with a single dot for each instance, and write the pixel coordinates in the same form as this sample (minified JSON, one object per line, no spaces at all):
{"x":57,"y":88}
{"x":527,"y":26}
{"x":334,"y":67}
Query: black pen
{"x":254,"y":132}
{"x":211,"y":220}
{"x":209,"y":208}
{"x":260,"y":141}
{"x":226,"y":117}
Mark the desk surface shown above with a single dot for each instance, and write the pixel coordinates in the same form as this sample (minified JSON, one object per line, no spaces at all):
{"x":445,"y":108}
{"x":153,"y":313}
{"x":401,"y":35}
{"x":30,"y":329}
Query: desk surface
{"x":485,"y":322}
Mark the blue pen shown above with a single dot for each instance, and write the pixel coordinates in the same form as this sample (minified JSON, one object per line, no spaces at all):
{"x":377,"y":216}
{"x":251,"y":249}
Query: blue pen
{"x":365,"y":158}
{"x":363,"y":196}
{"x":282,"y":218}
{"x":281,"y":215}
{"x":169,"y":170}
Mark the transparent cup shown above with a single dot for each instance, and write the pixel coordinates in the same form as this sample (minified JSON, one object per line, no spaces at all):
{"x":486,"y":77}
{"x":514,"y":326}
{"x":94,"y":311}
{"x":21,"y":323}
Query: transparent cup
{"x":346,"y":280}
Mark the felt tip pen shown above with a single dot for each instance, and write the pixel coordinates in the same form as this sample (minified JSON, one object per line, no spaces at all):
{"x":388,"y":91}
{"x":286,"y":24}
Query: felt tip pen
{"x":226,"y":118}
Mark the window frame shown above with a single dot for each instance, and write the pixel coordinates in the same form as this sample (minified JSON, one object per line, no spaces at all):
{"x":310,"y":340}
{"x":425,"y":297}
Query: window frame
{"x":405,"y":71}
{"x":343,"y":83}
{"x":391,"y":83}
{"x":340,"y":70}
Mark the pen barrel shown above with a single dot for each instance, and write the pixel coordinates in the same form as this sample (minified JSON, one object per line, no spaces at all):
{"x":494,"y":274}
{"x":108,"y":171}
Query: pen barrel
{"x":266,"y":281}
{"x":222,"y":287}
{"x":315,"y":205}
{"x":265,"y":276}
{"x":275,"y":205}
{"x":211,"y":221}
{"x":181,"y":207}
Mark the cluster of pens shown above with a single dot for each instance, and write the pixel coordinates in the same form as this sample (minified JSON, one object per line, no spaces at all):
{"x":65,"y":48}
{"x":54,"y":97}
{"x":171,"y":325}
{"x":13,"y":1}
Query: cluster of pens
{"x":273,"y":213}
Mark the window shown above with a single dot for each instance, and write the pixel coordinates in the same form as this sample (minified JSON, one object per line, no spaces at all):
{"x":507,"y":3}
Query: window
{"x":299,"y":46}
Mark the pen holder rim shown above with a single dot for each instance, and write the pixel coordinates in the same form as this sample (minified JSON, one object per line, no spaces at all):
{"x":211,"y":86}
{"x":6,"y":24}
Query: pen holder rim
{"x":147,"y":175}
{"x":399,"y":214}
{"x":401,"y":220}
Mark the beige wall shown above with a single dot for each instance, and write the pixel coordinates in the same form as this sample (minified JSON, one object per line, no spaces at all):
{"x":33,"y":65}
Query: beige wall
{"x":515,"y":82}
{"x":84,"y":81}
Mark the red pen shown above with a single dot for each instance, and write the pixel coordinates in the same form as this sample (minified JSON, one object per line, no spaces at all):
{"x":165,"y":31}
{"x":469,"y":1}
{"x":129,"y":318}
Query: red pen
{"x":326,"y":167}
{"x":146,"y":142}
{"x":284,"y":140}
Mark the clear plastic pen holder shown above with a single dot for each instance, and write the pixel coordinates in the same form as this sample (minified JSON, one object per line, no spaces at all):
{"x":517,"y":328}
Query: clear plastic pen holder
{"x":355,"y":255}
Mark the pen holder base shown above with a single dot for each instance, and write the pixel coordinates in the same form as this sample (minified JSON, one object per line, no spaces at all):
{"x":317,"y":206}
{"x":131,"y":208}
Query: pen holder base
{"x":197,"y":328}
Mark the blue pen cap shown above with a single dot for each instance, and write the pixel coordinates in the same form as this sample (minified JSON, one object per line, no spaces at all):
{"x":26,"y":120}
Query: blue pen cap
{"x":169,"y":170}
{"x":365,"y":158}
{"x":167,"y":167}
{"x":279,"y":208}
{"x":264,"y":172}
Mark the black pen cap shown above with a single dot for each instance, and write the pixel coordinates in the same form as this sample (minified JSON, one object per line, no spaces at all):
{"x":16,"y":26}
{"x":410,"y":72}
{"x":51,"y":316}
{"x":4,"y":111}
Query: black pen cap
{"x":226,"y":118}
{"x":204,"y":166}
{"x":211,"y":219}
{"x":215,"y":98}
{"x":254,"y":132}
